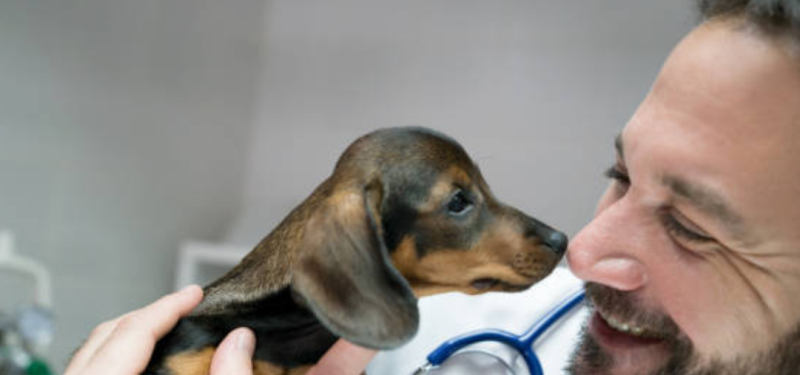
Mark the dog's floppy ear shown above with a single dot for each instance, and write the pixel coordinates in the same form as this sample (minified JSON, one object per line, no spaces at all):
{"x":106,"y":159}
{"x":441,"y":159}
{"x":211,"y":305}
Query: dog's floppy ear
{"x":345,"y":275}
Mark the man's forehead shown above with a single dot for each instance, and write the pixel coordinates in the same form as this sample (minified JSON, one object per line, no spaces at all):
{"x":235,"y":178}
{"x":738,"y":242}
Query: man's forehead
{"x":741,"y":89}
{"x":752,"y":75}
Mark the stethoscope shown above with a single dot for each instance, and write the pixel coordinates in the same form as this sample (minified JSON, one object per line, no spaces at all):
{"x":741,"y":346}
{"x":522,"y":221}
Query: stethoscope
{"x":521,"y":343}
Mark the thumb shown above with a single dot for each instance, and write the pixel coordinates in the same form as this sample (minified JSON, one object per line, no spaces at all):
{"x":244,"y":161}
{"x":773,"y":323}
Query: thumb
{"x":234,"y":354}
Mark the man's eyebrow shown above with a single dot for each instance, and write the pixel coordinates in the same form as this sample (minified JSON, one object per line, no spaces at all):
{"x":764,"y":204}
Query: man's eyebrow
{"x":707,"y":201}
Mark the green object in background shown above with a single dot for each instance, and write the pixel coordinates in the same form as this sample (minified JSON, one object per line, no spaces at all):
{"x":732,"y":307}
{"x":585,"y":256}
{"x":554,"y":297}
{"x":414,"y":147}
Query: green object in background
{"x":37,"y":367}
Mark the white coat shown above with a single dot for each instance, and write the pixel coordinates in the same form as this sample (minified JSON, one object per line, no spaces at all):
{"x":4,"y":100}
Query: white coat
{"x":448,"y":315}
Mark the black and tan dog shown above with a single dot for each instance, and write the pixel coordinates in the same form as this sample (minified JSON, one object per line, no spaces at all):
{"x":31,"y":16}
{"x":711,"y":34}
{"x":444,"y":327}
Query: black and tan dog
{"x":405,"y":214}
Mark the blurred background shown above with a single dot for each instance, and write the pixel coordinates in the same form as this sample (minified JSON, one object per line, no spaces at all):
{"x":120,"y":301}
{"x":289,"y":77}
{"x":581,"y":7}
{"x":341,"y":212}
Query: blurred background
{"x":133,"y":130}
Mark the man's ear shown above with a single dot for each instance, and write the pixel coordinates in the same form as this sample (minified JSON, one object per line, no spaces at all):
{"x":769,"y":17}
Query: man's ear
{"x":345,"y":275}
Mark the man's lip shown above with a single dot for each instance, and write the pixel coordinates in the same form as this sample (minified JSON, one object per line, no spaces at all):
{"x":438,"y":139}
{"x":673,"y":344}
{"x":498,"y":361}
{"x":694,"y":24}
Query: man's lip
{"x":609,"y":337}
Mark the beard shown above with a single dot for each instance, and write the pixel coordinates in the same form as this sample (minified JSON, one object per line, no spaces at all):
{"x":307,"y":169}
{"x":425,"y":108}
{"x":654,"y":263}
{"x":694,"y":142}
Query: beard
{"x":782,"y":358}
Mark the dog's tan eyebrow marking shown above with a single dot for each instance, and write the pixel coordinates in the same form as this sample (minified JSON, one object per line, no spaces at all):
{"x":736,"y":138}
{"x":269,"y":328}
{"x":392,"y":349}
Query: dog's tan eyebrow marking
{"x":443,"y":187}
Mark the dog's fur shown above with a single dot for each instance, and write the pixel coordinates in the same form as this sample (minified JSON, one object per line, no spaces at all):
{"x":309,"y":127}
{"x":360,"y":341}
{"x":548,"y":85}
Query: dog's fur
{"x":405,"y":214}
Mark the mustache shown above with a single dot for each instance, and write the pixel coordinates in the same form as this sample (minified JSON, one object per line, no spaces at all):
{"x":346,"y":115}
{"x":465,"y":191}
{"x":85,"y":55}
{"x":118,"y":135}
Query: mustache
{"x":625,"y":307}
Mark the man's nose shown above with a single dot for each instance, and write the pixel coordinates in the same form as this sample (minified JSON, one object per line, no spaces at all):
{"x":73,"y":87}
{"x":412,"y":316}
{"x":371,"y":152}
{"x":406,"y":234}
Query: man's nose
{"x":604,"y":252}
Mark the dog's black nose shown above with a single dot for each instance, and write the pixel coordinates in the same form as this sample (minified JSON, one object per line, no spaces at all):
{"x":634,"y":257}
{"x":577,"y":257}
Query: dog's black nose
{"x":557,"y":241}
{"x":546,"y":235}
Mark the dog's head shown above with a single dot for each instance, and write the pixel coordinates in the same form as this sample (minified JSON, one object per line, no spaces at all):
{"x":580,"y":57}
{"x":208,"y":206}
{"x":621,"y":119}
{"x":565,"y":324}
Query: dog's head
{"x":407,"y":213}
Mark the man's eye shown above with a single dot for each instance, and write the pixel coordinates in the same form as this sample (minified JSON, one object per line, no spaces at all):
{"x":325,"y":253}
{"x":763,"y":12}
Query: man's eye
{"x":618,"y":174}
{"x":676,"y":228}
{"x":458,"y":204}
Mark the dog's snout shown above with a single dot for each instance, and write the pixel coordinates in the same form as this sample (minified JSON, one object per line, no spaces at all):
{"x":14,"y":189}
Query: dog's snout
{"x":557,"y":241}
{"x":553,"y":239}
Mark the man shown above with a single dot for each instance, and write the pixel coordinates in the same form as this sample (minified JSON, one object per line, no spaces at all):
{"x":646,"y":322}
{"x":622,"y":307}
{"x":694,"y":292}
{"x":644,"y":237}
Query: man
{"x":692,"y":262}
{"x":693,"y":259}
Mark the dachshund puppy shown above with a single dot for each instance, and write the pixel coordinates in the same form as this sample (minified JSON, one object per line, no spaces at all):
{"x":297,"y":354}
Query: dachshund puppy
{"x":405,"y":214}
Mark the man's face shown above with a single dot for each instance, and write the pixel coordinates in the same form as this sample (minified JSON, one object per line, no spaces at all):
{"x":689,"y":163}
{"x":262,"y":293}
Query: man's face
{"x":693,"y":258}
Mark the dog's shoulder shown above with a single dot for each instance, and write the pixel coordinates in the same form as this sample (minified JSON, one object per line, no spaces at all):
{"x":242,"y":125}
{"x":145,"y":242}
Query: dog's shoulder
{"x":287,"y":334}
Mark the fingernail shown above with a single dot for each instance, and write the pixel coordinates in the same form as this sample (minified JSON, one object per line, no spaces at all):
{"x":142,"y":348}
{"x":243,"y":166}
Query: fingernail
{"x":187,"y":289}
{"x":245,"y":341}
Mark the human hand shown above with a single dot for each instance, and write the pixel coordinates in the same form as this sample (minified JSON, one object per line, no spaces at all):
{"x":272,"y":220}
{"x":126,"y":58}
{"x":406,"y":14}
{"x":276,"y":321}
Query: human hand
{"x":123,"y":346}
{"x":234,"y":354}
{"x":343,"y":358}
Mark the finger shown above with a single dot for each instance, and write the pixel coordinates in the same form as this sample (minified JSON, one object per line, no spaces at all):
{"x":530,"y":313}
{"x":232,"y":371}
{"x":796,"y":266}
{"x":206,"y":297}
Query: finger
{"x":129,"y":347}
{"x":98,"y":336}
{"x":235,"y":354}
{"x":343,"y":358}
{"x":96,"y":339}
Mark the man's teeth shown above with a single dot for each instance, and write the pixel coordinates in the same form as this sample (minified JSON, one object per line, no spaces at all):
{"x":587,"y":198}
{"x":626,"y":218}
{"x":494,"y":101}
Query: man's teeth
{"x":627,"y":328}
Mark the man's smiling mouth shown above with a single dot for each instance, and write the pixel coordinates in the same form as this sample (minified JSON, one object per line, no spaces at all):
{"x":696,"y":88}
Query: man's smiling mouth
{"x":629,"y":328}
{"x":612,"y":333}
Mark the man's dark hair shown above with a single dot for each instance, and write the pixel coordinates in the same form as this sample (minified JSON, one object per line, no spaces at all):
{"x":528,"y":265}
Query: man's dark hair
{"x":774,"y":17}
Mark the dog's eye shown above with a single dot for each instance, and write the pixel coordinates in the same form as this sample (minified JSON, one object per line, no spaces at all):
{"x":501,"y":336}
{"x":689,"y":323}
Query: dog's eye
{"x":459,"y":204}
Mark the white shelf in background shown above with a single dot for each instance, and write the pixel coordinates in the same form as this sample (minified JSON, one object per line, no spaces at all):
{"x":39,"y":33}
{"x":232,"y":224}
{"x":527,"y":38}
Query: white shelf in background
{"x":203,"y":262}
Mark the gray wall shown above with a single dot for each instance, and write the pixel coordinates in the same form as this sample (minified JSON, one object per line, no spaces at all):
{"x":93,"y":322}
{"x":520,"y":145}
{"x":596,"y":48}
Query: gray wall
{"x":128,"y":126}
{"x":534,"y":90}
{"x":123,"y":129}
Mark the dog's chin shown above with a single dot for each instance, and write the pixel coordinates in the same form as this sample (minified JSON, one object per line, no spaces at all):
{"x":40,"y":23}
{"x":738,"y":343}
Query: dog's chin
{"x":488,"y":284}
{"x":478,"y":285}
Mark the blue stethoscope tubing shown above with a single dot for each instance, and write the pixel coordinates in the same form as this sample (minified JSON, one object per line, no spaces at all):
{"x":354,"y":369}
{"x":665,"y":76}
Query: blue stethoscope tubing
{"x":522,"y":343}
